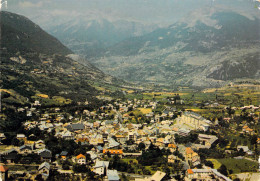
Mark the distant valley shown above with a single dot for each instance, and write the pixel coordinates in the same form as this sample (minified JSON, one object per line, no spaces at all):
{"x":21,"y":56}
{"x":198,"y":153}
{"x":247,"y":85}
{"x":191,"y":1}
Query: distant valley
{"x":209,"y":50}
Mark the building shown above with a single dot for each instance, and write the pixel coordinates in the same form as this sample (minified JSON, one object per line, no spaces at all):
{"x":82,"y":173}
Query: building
{"x":3,"y":173}
{"x":192,"y":156}
{"x":2,"y":136}
{"x":44,"y":170}
{"x":39,"y":144}
{"x":113,"y":152}
{"x":205,"y":174}
{"x":112,"y":175}
{"x":81,"y":159}
{"x":172,"y":147}
{"x":157,"y":176}
{"x":207,"y":140}
{"x":101,"y":167}
{"x":172,"y":158}
{"x":21,"y":137}
{"x":25,"y":149}
{"x":46,"y":155}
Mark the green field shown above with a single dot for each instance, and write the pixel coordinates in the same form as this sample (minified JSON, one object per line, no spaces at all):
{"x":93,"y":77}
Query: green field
{"x":236,"y":165}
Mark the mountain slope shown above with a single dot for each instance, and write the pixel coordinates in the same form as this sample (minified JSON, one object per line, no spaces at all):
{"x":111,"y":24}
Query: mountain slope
{"x":28,"y":36}
{"x":36,"y":66}
{"x":209,"y":51}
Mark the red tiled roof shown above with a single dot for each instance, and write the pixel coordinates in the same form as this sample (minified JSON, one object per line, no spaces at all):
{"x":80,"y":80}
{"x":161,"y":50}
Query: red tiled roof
{"x":80,"y":156}
{"x":190,"y":171}
{"x":3,"y":168}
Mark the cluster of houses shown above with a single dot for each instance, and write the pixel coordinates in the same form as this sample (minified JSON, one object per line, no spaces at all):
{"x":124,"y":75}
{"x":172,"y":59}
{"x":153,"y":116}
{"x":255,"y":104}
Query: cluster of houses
{"x":117,"y":136}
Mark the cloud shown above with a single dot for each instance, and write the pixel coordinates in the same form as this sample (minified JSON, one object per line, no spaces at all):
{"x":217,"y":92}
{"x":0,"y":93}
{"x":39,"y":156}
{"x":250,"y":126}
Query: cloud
{"x":28,"y":4}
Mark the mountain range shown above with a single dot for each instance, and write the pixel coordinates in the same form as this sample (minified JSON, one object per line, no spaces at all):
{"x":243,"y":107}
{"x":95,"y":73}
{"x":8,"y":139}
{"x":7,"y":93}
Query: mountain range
{"x":206,"y":49}
{"x":91,"y":36}
{"x":36,"y":65}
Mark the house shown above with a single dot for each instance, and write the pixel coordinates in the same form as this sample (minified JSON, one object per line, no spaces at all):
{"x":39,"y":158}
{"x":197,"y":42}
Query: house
{"x":3,"y":173}
{"x":101,"y":167}
{"x":171,"y":158}
{"x":160,"y":142}
{"x":76,"y":127}
{"x":21,"y":137}
{"x":192,"y":156}
{"x":207,"y":140}
{"x":45,"y":155}
{"x":44,"y":170}
{"x":10,"y":155}
{"x":132,"y":136}
{"x":25,"y":149}
{"x":67,"y":135}
{"x":245,"y":149}
{"x":121,"y":138}
{"x":113,"y":143}
{"x":93,"y":156}
{"x":2,"y":136}
{"x":247,"y":130}
{"x":112,"y":175}
{"x":83,"y":141}
{"x":172,"y":147}
{"x":63,"y":155}
{"x":39,"y":144}
{"x":81,"y":159}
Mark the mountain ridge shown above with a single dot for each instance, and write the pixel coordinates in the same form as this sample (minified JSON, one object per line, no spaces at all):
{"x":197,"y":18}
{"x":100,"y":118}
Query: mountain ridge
{"x":175,"y":55}
{"x":37,"y":69}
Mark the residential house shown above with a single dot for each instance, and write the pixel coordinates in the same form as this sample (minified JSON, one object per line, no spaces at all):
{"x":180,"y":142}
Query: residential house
{"x":101,"y":167}
{"x":25,"y":149}
{"x":44,"y":170}
{"x":207,"y":140}
{"x":121,"y":138}
{"x":45,"y":155}
{"x":81,"y":159}
{"x":3,"y":173}
{"x":39,"y":144}
{"x":247,"y":130}
{"x":132,"y":136}
{"x":67,"y":135}
{"x":63,"y":155}
{"x":83,"y":141}
{"x":160,"y":142}
{"x":112,"y":175}
{"x":112,"y":144}
{"x":93,"y":156}
{"x":76,"y":127}
{"x":171,"y":158}
{"x":192,"y":156}
{"x":2,"y":136}
{"x":21,"y":137}
{"x":10,"y":155}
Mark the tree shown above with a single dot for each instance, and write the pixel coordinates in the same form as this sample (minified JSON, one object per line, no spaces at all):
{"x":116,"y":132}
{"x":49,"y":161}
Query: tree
{"x":80,"y":168}
{"x":209,"y":164}
{"x":39,"y":177}
{"x":223,"y":169}
{"x":141,"y":146}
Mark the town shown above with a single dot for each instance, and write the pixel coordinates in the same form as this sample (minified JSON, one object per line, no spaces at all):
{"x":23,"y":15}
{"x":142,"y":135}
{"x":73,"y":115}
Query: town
{"x":152,"y":138}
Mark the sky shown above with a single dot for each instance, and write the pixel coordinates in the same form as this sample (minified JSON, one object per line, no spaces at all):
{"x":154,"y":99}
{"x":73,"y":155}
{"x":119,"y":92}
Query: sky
{"x":162,"y":12}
